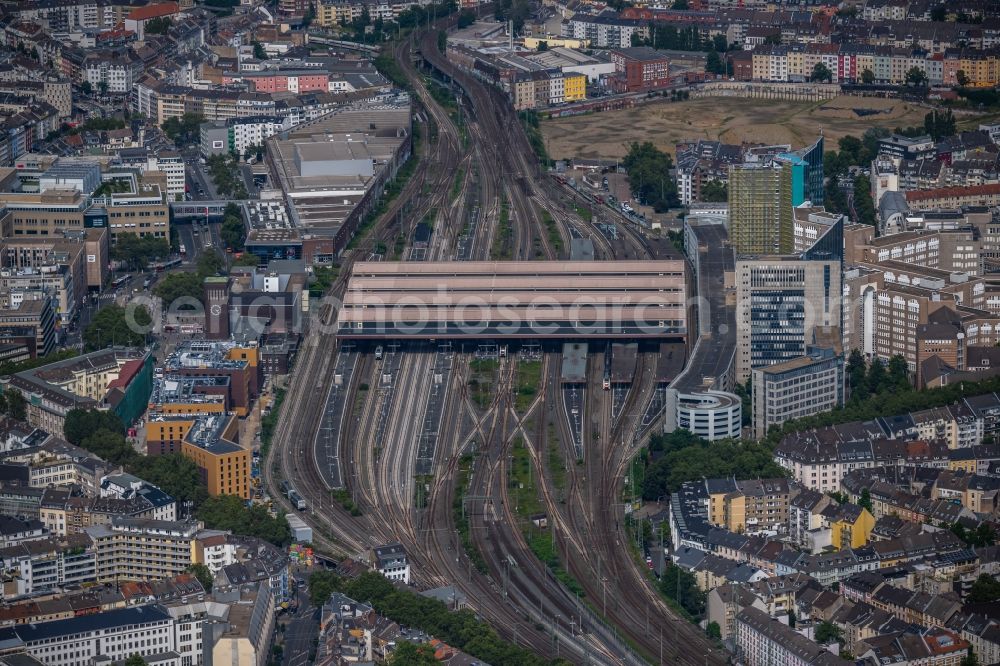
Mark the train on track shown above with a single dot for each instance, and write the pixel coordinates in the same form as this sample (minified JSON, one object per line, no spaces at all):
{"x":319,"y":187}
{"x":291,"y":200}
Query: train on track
{"x":293,"y":496}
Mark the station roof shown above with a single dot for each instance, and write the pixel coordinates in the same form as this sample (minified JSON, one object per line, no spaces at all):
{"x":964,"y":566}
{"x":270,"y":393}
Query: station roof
{"x":515,"y":298}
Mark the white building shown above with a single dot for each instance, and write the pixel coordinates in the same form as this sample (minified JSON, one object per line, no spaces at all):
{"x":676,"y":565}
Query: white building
{"x":391,"y":562}
{"x":113,"y":635}
{"x":171,"y":163}
{"x":764,"y":641}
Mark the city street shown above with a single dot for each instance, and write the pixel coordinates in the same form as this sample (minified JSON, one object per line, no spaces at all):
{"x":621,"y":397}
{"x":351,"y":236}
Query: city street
{"x":301,"y":630}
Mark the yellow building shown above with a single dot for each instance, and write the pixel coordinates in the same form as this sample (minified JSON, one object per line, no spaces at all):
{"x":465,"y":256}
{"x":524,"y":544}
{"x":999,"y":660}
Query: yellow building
{"x":224,"y":466}
{"x":574,"y":87}
{"x":851,"y":526}
{"x":750,"y":506}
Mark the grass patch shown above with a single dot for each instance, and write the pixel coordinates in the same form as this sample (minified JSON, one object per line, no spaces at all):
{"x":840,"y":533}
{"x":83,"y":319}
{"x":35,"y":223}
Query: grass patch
{"x":461,"y":520}
{"x":341,"y":495}
{"x":529,"y":378}
{"x":420,"y":492}
{"x":584,"y":213}
{"x":557,"y":465}
{"x":503,"y":240}
{"x":482,"y":377}
{"x":456,"y":187}
{"x":270,"y":422}
{"x":551,"y":231}
{"x":521,"y":488}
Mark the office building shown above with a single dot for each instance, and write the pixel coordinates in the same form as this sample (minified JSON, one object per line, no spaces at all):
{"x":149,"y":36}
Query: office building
{"x":780,"y":301}
{"x":799,"y":387}
{"x":244,"y":636}
{"x":762,"y":194}
{"x":213,"y":444}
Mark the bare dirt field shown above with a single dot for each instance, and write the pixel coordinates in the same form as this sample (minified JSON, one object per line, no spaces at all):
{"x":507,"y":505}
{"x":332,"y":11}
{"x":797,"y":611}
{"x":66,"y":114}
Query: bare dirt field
{"x":729,"y":119}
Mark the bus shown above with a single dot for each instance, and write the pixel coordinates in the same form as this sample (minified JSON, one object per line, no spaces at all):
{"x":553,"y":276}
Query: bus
{"x":119,"y":282}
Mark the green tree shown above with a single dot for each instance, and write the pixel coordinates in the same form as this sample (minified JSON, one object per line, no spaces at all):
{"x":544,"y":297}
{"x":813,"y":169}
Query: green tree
{"x":865,"y":502}
{"x":86,"y":88}
{"x":233,"y":233}
{"x":867,"y":77}
{"x":714,"y":63}
{"x":442,"y":41}
{"x":113,"y":325}
{"x":821,"y":73}
{"x":899,"y":373}
{"x":939,"y":124}
{"x":856,"y":375}
{"x":411,"y":654}
{"x":111,"y":447}
{"x":79,"y":423}
{"x":962,"y":78}
{"x":970,"y":659}
{"x":209,"y":264}
{"x":179,"y":285}
{"x":203,"y":574}
{"x":15,"y":405}
{"x":139,"y":251}
{"x":185,"y":129}
{"x":864,"y":206}
{"x":714,"y":630}
{"x":939,"y":13}
{"x":177,"y":475}
{"x":649,"y":176}
{"x":258,"y":51}
{"x":686,"y":457}
{"x":680,"y":5}
{"x":827,"y":632}
{"x":682,"y":587}
{"x":877,"y":377}
{"x":985,"y":590}
{"x":229,"y":512}
{"x":134,"y":660}
{"x":714,"y":191}
{"x":916,"y":77}
{"x":466,"y":18}
{"x":322,"y":584}
{"x":158,"y":25}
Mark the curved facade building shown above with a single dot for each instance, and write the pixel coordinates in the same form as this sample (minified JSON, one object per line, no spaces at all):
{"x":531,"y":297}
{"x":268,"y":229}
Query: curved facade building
{"x":708,"y":414}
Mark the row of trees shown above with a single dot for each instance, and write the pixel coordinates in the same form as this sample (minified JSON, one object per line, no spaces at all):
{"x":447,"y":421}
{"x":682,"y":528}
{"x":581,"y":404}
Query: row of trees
{"x":138,"y":251}
{"x":225,"y":173}
{"x":115,"y":325}
{"x":233,"y":232}
{"x":461,"y":629}
{"x":185,"y":129}
{"x":688,"y":38}
{"x":187,"y":285}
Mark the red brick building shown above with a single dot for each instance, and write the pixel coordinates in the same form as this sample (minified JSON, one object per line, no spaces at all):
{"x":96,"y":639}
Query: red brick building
{"x":640,"y":68}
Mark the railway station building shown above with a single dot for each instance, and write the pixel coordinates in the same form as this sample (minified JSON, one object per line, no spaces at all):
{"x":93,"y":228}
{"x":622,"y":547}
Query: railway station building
{"x":489,"y":300}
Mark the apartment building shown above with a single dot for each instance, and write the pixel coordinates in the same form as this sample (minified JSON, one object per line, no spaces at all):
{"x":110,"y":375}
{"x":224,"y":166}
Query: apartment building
{"x":749,"y":507}
{"x":800,"y":387}
{"x":118,"y":378}
{"x":605,"y":31}
{"x":248,"y":629}
{"x":780,"y":302}
{"x":764,"y":641}
{"x":141,"y":549}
